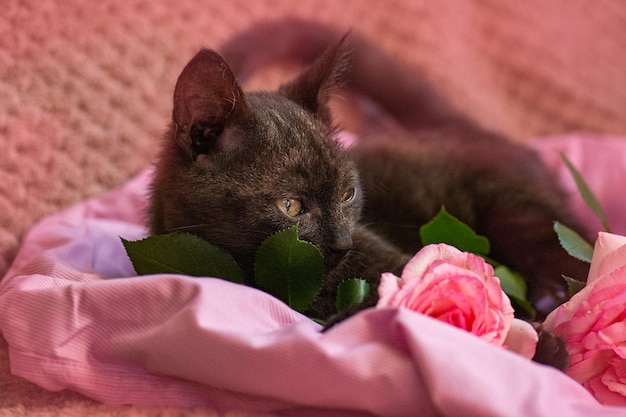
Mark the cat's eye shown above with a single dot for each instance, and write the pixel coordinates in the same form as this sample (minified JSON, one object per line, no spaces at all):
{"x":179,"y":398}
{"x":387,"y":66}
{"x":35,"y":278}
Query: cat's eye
{"x":348,"y":195}
{"x":292,"y":207}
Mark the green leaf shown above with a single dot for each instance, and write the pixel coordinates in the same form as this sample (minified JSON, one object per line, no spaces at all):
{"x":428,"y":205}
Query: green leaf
{"x":512,"y":283}
{"x":514,"y":286}
{"x":351,"y":291}
{"x":573,"y":243}
{"x":586,"y":193}
{"x":181,"y":253}
{"x":445,"y":228}
{"x":573,"y":285}
{"x":289,"y":268}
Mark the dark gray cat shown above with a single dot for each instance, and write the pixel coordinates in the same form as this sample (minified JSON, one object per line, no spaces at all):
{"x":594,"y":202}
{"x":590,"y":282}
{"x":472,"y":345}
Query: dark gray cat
{"x":237,"y":167}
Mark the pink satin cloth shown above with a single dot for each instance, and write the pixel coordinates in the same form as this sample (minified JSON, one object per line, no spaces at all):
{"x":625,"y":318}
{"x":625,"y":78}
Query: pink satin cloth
{"x":75,"y":316}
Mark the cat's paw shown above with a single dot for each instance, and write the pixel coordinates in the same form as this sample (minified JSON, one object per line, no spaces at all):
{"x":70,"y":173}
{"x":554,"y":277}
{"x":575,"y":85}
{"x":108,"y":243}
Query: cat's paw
{"x":550,"y":349}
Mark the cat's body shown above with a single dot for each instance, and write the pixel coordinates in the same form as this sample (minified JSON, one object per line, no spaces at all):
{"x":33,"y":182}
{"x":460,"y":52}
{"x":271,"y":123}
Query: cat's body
{"x":238,"y":166}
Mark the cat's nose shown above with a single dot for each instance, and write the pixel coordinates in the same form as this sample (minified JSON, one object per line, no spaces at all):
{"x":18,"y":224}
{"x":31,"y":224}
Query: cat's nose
{"x":337,"y":246}
{"x":342,"y":243}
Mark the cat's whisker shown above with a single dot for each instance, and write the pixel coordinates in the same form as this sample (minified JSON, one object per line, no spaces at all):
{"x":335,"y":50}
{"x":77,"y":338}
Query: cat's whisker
{"x":185,"y":228}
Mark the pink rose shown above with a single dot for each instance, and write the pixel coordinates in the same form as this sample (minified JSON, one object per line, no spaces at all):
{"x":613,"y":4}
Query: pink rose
{"x":460,"y":289}
{"x":593,"y":324}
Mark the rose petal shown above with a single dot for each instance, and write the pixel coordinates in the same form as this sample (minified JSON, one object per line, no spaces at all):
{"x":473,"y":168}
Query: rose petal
{"x":600,"y":390}
{"x":614,"y":383}
{"x":522,"y":339}
{"x":609,"y":254}
{"x":387,"y":288}
{"x":417,"y":266}
{"x":606,"y":244}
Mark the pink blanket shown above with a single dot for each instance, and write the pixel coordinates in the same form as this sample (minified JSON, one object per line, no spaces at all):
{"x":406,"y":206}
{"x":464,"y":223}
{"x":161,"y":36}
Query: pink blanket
{"x":75,"y":316}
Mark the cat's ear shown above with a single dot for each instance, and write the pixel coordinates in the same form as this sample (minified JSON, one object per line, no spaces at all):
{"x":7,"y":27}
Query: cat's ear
{"x":312,"y":88}
{"x":207,"y":99}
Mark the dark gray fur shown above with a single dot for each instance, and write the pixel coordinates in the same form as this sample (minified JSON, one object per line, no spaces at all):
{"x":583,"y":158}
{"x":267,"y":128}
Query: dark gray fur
{"x":230,"y":155}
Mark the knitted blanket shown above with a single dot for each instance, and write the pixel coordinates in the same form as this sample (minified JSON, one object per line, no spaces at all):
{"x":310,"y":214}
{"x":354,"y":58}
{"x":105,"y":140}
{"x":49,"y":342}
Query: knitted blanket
{"x":85,"y":95}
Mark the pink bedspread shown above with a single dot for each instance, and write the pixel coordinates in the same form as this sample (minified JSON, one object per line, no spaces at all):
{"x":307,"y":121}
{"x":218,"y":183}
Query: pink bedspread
{"x":74,"y":316}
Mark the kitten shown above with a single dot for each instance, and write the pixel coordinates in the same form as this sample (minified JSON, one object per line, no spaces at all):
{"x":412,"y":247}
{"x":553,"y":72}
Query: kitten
{"x":236,"y":167}
{"x":417,"y":153}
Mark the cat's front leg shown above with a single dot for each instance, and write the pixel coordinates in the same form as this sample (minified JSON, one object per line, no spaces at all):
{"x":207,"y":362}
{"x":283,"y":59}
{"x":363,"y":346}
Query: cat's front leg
{"x":550,"y":349}
{"x":369,"y":257}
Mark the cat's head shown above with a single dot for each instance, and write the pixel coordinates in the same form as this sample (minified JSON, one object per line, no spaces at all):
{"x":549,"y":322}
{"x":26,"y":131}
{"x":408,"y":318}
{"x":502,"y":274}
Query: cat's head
{"x":237,"y":167}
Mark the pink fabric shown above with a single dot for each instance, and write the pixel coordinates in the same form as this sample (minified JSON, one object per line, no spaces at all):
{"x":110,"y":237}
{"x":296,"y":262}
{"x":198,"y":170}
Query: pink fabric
{"x":74,"y":317}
